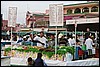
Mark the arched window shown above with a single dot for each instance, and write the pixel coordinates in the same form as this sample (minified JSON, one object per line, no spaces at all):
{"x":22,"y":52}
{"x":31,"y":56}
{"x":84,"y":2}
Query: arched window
{"x":94,"y":9}
{"x":77,"y":10}
{"x":69,"y":11}
{"x":85,"y":9}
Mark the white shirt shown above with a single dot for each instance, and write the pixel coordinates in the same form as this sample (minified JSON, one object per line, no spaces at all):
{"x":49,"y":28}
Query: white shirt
{"x":41,"y":39}
{"x":71,"y":41}
{"x":89,"y":43}
{"x":29,"y":39}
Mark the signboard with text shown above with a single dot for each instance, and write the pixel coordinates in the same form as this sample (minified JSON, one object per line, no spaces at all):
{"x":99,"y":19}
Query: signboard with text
{"x":82,"y":21}
{"x":12,"y":16}
{"x":56,"y":14}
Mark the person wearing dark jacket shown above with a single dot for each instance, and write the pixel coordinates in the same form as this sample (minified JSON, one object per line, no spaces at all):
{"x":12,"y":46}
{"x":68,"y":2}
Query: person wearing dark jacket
{"x":39,"y":60}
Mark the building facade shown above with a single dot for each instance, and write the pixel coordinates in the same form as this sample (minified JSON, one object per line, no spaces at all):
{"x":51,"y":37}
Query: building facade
{"x":5,"y":27}
{"x":87,"y":15}
{"x":89,"y":7}
{"x":36,"y":20}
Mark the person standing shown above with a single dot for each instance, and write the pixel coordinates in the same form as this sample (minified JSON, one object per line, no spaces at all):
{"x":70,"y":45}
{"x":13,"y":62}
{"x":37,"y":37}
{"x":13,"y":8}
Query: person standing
{"x":87,"y":34}
{"x":39,"y":61}
{"x":32,"y":36}
{"x":25,"y":42}
{"x":41,"y":40}
{"x":52,"y":40}
{"x":89,"y":44}
{"x":71,"y":41}
{"x":63,"y":41}
{"x":80,"y":51}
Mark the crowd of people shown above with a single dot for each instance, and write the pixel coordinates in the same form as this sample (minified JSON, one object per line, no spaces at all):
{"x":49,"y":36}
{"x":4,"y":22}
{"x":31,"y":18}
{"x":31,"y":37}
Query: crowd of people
{"x":34,"y":40}
{"x":85,"y":44}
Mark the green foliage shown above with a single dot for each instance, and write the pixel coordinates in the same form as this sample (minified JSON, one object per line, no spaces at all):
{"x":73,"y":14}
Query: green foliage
{"x":67,"y":49}
{"x":49,"y":54}
{"x":19,"y":48}
{"x":7,"y":49}
{"x":33,"y":50}
{"x":23,"y":50}
{"x":29,"y":50}
{"x":61,"y":51}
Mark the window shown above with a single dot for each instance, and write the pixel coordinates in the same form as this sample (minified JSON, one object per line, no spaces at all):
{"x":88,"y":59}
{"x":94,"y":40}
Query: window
{"x":85,"y":9}
{"x":77,"y":10}
{"x":69,"y":11}
{"x":94,"y":9}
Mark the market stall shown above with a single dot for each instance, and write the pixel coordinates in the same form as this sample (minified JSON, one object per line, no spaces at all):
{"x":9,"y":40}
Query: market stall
{"x":48,"y":53}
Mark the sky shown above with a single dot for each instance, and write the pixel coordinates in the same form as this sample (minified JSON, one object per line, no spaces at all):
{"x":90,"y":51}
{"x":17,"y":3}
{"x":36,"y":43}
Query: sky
{"x":32,"y":6}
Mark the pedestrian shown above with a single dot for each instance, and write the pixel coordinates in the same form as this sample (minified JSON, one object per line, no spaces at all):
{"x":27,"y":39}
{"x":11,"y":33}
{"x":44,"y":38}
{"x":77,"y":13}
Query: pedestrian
{"x":71,"y":41}
{"x":33,"y":42}
{"x":63,"y":41}
{"x":85,"y":52}
{"x":39,"y":61}
{"x":89,"y":43}
{"x":87,"y":34}
{"x":51,"y":41}
{"x":41,"y":40}
{"x":25,"y":42}
{"x":30,"y":61}
{"x":80,"y":51}
{"x":28,"y":38}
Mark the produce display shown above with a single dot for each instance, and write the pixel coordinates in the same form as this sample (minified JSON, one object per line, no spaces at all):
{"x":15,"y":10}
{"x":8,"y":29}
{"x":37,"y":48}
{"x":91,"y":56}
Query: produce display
{"x":31,"y":51}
